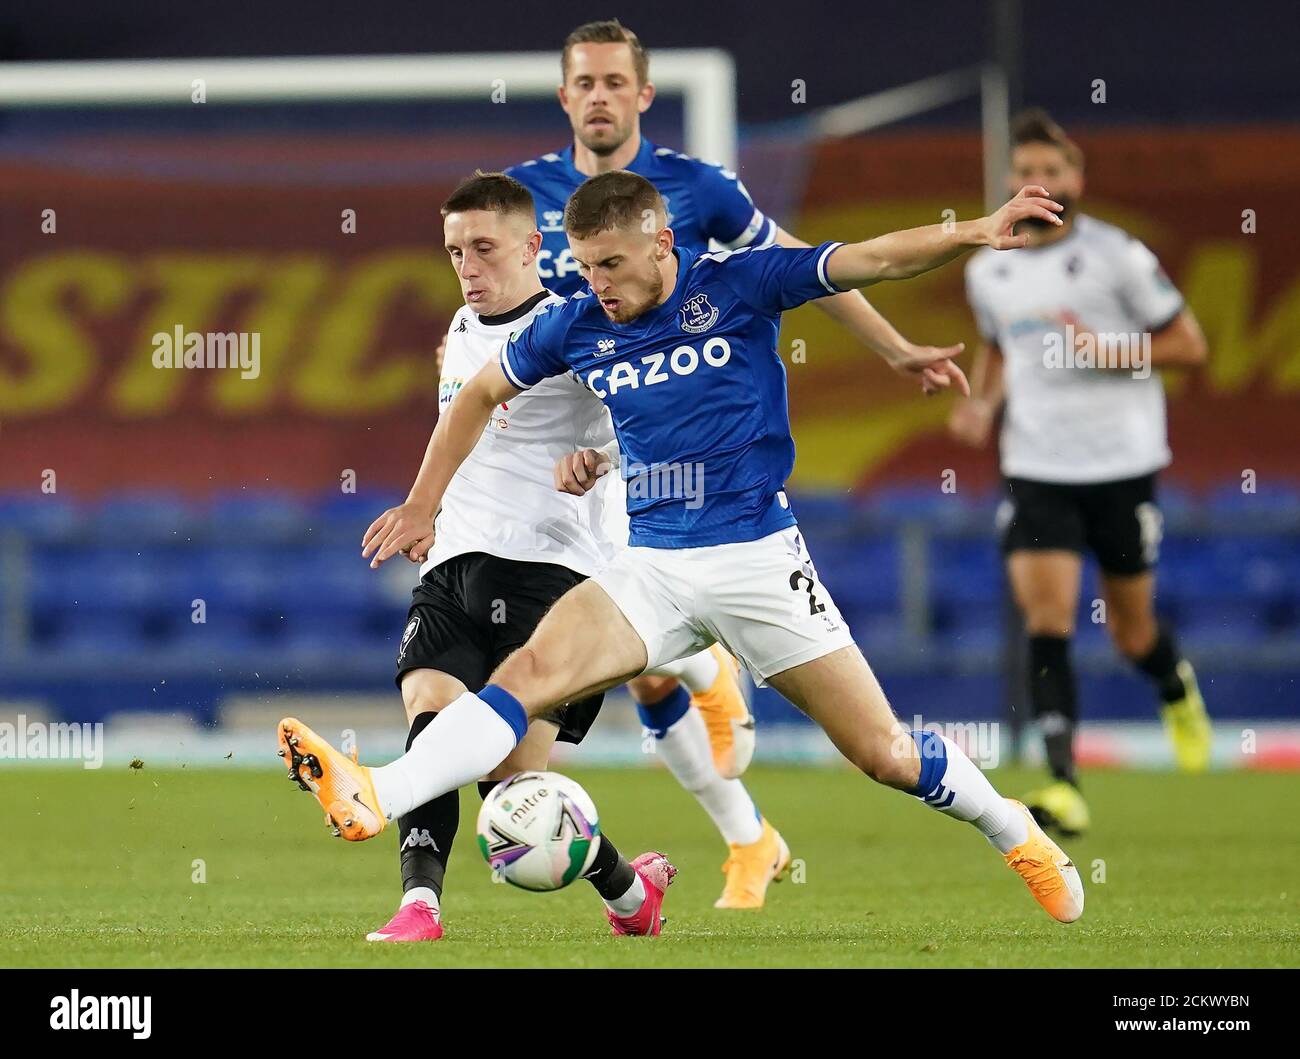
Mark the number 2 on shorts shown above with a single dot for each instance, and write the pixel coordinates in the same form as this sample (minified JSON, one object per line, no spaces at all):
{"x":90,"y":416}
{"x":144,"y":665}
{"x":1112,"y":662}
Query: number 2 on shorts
{"x":801,"y":575}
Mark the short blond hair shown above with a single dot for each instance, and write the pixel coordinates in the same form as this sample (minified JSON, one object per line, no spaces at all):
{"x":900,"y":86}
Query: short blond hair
{"x":1036,"y":126}
{"x":610,"y":31}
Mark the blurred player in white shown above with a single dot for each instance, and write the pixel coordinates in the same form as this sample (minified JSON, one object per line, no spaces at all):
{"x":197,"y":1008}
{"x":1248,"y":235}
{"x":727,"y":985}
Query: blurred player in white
{"x":1073,"y":326}
{"x":661,"y":334}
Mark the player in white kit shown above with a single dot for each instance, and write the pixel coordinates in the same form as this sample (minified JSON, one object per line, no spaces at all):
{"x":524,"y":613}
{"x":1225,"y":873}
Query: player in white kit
{"x":1074,"y":325}
{"x":506,"y":546}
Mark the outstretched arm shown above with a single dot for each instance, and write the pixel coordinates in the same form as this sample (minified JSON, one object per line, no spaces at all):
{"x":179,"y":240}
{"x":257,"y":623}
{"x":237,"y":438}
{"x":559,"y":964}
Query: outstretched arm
{"x":902,"y":255}
{"x":408,"y":528}
{"x":868,"y":326}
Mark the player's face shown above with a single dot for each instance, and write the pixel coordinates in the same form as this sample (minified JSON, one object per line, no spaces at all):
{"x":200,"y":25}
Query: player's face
{"x":1047,"y":165}
{"x":494,"y":255}
{"x":624,"y":268}
{"x":601,"y":96}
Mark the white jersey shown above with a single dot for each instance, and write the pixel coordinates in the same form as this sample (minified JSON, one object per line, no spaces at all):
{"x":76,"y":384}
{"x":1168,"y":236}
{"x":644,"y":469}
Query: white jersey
{"x":611,"y":494}
{"x":503,"y":500}
{"x":1071,"y":423}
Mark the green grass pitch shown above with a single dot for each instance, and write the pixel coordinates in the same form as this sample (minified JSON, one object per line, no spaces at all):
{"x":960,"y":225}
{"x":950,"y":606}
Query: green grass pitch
{"x":99,"y":872}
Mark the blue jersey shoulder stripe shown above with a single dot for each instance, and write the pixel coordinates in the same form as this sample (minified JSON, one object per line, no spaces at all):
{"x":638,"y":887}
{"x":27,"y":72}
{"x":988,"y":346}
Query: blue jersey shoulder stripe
{"x":821,"y":269}
{"x":510,"y":372}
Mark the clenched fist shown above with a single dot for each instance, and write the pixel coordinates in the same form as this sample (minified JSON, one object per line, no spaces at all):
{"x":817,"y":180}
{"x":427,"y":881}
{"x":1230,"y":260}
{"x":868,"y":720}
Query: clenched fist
{"x":578,"y":472}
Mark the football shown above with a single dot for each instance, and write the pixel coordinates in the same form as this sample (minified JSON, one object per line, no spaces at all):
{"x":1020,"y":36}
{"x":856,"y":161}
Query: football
{"x":538,"y":830}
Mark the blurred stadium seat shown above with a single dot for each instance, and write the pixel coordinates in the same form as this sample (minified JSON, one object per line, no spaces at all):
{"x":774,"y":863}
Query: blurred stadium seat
{"x":281,"y":581}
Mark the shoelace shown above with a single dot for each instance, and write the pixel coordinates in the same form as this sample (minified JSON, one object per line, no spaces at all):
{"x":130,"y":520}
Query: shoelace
{"x":420,"y":910}
{"x":1042,"y":878}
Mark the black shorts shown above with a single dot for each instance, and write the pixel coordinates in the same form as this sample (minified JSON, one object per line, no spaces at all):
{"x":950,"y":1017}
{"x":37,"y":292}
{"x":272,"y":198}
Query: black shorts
{"x":1116,"y":521}
{"x":469,"y":613}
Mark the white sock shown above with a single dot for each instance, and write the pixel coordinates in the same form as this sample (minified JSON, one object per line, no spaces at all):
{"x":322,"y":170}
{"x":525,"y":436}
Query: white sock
{"x":697,"y":672}
{"x":685,"y":750}
{"x":421,"y":893}
{"x":952,"y":783}
{"x":467,"y":740}
{"x":629,"y":904}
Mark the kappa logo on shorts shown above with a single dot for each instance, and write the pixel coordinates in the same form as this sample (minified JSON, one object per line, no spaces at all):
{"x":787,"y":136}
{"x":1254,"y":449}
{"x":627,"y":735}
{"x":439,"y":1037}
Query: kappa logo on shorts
{"x":419,"y":837}
{"x":698,"y":315}
{"x":408,"y":634}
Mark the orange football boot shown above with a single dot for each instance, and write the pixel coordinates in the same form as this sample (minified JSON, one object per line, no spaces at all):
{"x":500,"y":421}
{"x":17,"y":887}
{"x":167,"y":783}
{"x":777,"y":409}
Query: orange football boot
{"x":1050,"y":875}
{"x":750,"y":868}
{"x":727,"y":717}
{"x":343,"y":787}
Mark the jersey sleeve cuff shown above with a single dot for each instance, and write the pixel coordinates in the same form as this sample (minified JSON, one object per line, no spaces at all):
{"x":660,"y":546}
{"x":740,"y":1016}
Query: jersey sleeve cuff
{"x":510,"y":372}
{"x":822,"y":277}
{"x":1166,"y":322}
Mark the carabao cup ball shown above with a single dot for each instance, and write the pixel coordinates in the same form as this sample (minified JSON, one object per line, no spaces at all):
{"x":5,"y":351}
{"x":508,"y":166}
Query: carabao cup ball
{"x":539,"y":830}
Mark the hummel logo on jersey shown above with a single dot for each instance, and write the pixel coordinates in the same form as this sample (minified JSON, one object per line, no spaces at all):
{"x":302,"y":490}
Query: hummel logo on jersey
{"x":605,"y":345}
{"x":552,"y":220}
{"x":460,"y":327}
{"x":698,"y":315}
{"x":418,"y":838}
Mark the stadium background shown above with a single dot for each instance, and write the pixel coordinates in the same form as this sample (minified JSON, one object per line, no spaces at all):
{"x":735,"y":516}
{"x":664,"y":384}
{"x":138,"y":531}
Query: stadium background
{"x":173,"y":487}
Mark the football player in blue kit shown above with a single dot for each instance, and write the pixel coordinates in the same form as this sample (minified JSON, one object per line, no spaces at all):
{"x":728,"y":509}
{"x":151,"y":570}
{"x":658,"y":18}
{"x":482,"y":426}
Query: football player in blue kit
{"x":662,"y":333}
{"x":606,"y":88}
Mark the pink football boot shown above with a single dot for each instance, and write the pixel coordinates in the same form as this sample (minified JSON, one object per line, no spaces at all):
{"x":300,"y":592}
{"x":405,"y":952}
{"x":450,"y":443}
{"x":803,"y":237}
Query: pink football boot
{"x":656,"y":874}
{"x":413,"y":922}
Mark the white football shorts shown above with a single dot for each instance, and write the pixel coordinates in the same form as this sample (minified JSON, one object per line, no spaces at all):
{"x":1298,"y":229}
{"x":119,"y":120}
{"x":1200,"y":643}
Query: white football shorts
{"x":760,"y":599}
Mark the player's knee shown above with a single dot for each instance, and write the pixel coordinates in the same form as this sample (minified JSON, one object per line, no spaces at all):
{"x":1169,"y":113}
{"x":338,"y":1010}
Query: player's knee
{"x":428,"y":691}
{"x":1133,"y":638}
{"x":526,"y":670}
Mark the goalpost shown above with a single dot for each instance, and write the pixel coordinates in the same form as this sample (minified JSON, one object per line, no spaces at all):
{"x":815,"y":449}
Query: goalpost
{"x":704,"y":78}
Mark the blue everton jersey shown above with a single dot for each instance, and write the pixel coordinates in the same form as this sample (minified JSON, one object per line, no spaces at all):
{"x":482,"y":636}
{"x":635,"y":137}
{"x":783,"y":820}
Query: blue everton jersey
{"x":695,"y":388}
{"x":703,"y":201}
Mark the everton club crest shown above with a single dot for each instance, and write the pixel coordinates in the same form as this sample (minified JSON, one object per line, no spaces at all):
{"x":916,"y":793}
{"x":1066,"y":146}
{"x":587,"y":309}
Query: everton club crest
{"x":698,"y":315}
